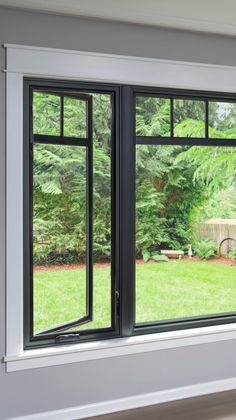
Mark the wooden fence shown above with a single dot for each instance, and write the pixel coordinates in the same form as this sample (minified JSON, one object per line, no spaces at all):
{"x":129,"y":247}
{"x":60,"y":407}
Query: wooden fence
{"x":222,"y":231}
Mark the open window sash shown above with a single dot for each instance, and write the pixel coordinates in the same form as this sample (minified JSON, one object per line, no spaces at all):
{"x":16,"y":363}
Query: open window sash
{"x":63,"y":137}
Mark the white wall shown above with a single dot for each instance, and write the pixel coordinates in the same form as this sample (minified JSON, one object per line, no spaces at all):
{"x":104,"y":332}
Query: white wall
{"x":53,"y":388}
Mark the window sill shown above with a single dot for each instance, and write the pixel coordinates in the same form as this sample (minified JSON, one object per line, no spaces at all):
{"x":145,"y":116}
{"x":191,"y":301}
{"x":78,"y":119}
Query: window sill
{"x":38,"y":358}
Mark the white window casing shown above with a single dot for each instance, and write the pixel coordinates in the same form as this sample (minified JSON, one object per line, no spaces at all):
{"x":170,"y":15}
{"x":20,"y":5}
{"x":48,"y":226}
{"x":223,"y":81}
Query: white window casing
{"x":23,"y":61}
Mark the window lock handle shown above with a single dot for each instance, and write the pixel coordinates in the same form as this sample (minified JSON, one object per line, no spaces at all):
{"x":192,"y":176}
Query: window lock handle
{"x":73,"y":337}
{"x":117,"y":294}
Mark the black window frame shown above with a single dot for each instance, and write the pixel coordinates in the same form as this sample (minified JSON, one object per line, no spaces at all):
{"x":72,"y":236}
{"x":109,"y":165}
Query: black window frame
{"x":123,"y":175}
{"x":206,"y":96}
{"x":86,"y":143}
{"x":57,"y":337}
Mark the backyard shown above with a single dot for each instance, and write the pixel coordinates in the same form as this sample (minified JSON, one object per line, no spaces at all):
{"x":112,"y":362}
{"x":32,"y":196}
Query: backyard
{"x":170,"y":290}
{"x":185,"y":203}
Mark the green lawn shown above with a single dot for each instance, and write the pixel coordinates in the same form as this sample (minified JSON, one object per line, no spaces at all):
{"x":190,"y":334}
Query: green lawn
{"x":164,"y":291}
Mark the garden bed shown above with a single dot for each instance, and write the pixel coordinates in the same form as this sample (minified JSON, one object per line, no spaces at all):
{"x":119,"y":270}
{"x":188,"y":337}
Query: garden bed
{"x":60,"y":267}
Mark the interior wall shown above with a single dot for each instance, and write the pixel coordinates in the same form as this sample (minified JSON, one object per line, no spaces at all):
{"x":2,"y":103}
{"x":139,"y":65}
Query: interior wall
{"x":58,"y":387}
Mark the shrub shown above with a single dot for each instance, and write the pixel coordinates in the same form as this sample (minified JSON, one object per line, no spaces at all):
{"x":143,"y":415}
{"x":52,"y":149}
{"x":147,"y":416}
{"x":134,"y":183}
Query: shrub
{"x":233,"y":253}
{"x":160,"y":258}
{"x":146,"y":255}
{"x":205,"y":248}
{"x":154,"y":256}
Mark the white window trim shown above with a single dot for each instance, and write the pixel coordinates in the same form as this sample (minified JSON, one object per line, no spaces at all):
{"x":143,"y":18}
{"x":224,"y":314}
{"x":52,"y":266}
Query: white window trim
{"x":53,"y":63}
{"x":38,"y":358}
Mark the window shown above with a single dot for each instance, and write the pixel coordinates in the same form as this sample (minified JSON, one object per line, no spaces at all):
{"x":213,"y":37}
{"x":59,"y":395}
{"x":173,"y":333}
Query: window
{"x":185,"y":210}
{"x":70,"y":284}
{"x":129,"y":208}
{"x":62,"y":165}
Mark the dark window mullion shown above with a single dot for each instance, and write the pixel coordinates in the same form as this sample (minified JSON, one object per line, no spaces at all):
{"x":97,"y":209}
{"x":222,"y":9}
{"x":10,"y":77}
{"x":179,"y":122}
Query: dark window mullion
{"x":115,"y":195}
{"x":89,"y":239}
{"x":62,"y":117}
{"x":185,"y":141}
{"x":175,"y":93}
{"x":127,"y":212}
{"x":69,"y":141}
{"x":207,"y":119}
{"x":171,"y":117}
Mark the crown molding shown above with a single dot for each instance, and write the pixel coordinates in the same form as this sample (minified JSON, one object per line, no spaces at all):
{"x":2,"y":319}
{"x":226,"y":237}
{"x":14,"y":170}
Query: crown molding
{"x":111,"y":68}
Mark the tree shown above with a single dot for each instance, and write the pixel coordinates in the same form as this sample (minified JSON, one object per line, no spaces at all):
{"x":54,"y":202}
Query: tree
{"x":177,"y":186}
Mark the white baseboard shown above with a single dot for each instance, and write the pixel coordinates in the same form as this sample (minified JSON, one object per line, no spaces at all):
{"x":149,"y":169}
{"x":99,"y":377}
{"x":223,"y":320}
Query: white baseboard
{"x":106,"y":407}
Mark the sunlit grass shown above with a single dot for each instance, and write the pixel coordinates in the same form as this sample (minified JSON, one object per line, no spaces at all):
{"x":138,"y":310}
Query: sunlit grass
{"x":169,"y":290}
{"x":59,"y":296}
{"x":180,"y":289}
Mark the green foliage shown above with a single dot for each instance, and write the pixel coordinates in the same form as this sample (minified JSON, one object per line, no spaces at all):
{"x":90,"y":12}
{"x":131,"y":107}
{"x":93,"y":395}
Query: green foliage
{"x":187,"y":109}
{"x":214,"y":166}
{"x":190,"y":128}
{"x":221,"y":201}
{"x":160,"y":258}
{"x":165,"y":197}
{"x":176,"y":186}
{"x":204,"y":248}
{"x":60,"y":187}
{"x":46,"y":114}
{"x":150,"y":229}
{"x":233,"y":253}
{"x":152,"y":116}
{"x":147,"y":256}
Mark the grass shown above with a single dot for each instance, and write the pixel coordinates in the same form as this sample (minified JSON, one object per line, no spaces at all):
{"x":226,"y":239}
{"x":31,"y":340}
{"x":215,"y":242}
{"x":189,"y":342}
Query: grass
{"x":59,"y":296}
{"x":180,"y":289}
{"x":170,"y":290}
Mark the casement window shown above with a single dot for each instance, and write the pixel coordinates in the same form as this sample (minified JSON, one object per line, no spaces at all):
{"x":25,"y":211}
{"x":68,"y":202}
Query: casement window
{"x":184,"y":151}
{"x":69,"y":193}
{"x":117,"y":180}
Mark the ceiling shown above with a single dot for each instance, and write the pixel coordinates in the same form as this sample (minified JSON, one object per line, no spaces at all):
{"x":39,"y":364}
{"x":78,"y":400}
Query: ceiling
{"x":214,"y":16}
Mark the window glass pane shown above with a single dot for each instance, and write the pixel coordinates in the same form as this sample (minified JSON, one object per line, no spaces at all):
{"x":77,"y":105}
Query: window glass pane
{"x":189,"y":118}
{"x":59,"y":227}
{"x":102,"y":117}
{"x":152,"y":116}
{"x":185,"y":232}
{"x":59,"y":231}
{"x":46,"y":114}
{"x":222,"y":120}
{"x":75,"y":117}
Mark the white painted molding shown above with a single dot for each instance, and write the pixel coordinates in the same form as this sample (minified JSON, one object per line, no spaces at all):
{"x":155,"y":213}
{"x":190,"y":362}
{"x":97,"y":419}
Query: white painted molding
{"x":14,"y":213}
{"x":132,"y":402}
{"x":47,"y":62}
{"x":43,"y":62}
{"x":38,"y":358}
